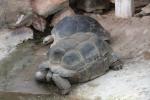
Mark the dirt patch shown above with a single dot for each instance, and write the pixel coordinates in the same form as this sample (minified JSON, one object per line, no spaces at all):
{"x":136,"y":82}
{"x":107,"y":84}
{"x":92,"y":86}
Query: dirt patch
{"x":130,"y":37}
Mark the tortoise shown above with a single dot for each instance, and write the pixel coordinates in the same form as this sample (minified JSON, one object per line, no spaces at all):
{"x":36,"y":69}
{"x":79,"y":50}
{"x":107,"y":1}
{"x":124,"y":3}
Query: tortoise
{"x":78,"y":23}
{"x":76,"y":59}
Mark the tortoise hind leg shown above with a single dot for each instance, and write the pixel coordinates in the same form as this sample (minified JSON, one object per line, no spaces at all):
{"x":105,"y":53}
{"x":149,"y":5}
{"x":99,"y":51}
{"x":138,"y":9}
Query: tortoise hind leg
{"x":116,"y":64}
{"x":62,"y":83}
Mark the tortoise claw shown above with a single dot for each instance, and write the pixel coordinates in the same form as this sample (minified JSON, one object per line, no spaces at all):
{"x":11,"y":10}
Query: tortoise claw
{"x":117,"y":65}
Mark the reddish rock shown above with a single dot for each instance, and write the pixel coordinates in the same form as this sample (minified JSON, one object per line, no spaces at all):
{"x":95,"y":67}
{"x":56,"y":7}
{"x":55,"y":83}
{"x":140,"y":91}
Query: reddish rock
{"x":59,"y":16}
{"x":39,"y":23}
{"x":48,"y":7}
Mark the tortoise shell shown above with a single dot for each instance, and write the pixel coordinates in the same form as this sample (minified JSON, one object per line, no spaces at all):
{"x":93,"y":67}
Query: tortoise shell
{"x":85,"y":54}
{"x":78,"y":23}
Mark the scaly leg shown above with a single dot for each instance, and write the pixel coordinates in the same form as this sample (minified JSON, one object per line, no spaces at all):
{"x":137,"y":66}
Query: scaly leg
{"x":62,"y":83}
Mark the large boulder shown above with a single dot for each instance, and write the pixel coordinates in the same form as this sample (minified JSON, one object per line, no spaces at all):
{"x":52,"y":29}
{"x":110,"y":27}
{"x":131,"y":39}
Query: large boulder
{"x":48,"y":7}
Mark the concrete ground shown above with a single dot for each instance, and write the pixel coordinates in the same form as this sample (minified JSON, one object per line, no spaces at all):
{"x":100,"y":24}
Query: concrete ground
{"x":130,"y":40}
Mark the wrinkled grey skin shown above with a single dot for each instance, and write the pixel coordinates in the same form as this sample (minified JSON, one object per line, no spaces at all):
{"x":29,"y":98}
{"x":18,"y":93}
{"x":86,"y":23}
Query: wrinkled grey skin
{"x":96,"y":6}
{"x":78,"y":23}
{"x":15,"y":13}
{"x":76,"y":59}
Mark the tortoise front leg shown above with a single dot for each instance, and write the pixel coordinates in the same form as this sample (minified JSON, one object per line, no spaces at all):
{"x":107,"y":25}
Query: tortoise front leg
{"x":62,"y":83}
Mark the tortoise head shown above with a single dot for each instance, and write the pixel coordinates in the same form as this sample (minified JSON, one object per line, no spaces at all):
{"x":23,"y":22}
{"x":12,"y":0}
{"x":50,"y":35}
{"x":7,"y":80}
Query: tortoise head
{"x":43,"y":69}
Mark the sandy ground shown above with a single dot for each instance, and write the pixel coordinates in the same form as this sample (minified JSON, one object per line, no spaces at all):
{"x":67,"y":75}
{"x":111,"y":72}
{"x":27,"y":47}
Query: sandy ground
{"x":130,"y":40}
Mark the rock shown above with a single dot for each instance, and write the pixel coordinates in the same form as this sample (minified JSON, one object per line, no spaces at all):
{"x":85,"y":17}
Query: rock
{"x":15,"y":13}
{"x":9,"y":39}
{"x":62,"y":14}
{"x":96,"y":6}
{"x":39,"y":23}
{"x":140,"y":3}
{"x":145,"y":11}
{"x":48,"y":7}
{"x":72,"y":3}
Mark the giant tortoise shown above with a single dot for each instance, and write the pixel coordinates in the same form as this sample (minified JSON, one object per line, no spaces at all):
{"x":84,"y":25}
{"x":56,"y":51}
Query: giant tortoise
{"x":77,"y":58}
{"x":78,"y":23}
